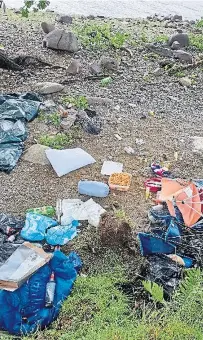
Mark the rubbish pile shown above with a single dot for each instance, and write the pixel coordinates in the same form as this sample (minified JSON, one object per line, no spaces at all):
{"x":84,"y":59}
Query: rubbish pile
{"x":34,"y":282}
{"x":176,"y":237}
{"x":15,"y":111}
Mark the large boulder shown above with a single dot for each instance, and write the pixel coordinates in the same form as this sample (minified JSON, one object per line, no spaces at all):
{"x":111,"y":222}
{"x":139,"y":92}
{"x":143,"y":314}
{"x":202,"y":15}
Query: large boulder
{"x":47,"y":28}
{"x":61,"y":40}
{"x":36,"y":154}
{"x":182,"y":38}
{"x":65,"y":19}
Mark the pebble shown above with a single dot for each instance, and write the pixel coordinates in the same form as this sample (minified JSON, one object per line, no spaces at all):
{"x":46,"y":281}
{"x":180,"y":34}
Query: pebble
{"x":177,"y":17}
{"x":110,"y":64}
{"x":129,"y":150}
{"x":95,"y":68}
{"x":48,"y":88}
{"x":139,"y":141}
{"x":74,"y":67}
{"x":118,"y":137}
{"x":185,"y":81}
{"x":197,"y":144}
{"x":36,"y":154}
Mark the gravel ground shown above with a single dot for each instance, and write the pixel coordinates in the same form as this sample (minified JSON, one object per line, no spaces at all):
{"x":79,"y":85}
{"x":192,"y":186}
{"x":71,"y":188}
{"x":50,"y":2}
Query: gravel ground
{"x":134,"y":91}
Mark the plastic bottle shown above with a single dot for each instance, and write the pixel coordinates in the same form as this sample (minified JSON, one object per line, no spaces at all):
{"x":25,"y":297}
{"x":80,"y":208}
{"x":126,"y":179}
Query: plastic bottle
{"x":93,"y":188}
{"x":50,"y":291}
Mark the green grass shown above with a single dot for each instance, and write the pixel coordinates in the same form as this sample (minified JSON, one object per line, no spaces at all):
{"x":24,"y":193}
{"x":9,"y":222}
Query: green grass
{"x":52,"y":118}
{"x":79,"y":102}
{"x":94,"y":35}
{"x":161,"y":38}
{"x":98,"y":310}
{"x":58,"y":141}
{"x":197,"y":41}
{"x":180,"y":74}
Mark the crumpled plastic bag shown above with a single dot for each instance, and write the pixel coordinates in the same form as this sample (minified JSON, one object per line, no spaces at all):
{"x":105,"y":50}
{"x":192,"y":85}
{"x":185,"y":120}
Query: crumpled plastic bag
{"x":9,"y":155}
{"x":91,"y":123}
{"x":164,"y":271}
{"x":77,"y":210}
{"x":150,"y":244}
{"x":61,"y":235}
{"x":12,"y":131}
{"x":36,"y":226}
{"x":15,"y":110}
{"x":16,"y":106}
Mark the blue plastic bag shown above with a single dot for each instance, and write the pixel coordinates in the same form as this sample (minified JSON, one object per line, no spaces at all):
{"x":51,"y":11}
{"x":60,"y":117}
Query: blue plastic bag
{"x":61,"y":235}
{"x":36,"y":226}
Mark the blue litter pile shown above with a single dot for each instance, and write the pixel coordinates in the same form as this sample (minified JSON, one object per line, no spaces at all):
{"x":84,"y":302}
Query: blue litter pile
{"x":24,"y":310}
{"x":15,"y":111}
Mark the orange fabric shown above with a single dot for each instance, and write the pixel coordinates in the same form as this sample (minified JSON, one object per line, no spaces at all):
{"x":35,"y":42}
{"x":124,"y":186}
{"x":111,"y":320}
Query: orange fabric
{"x":182,"y":191}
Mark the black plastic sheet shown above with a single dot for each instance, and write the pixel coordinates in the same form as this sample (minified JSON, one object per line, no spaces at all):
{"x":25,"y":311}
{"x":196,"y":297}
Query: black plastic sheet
{"x":9,"y":226}
{"x":15,"y":111}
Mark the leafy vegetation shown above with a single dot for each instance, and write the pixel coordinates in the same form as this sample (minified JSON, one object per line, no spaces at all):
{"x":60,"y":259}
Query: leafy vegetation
{"x":79,"y":102}
{"x":58,"y":141}
{"x":52,"y":118}
{"x":199,"y":23}
{"x":100,"y":35}
{"x":180,"y":74}
{"x":197,"y":41}
{"x":98,"y":310}
{"x":34,"y":5}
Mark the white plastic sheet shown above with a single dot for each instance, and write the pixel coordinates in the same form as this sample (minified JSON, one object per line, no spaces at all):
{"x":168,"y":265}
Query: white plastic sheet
{"x":65,"y":161}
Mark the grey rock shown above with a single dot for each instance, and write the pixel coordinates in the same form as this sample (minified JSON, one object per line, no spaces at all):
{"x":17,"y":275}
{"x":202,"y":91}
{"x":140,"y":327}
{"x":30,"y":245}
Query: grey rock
{"x":185,"y":81}
{"x":60,"y":40}
{"x":192,"y":22}
{"x":36,"y":154}
{"x":175,"y":45}
{"x":48,"y":87}
{"x":74,"y":67}
{"x":162,"y":51}
{"x":177,"y":17}
{"x":69,"y":121}
{"x":108,"y":63}
{"x":65,"y":19}
{"x":47,"y":28}
{"x":166,"y":62}
{"x":95,"y":68}
{"x":182,"y":38}
{"x":183,"y":56}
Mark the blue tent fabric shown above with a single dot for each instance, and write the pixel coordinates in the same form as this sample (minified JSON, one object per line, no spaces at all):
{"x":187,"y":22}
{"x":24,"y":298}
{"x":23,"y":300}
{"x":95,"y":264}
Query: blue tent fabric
{"x":150,"y":244}
{"x":15,"y":111}
{"x":23,"y":311}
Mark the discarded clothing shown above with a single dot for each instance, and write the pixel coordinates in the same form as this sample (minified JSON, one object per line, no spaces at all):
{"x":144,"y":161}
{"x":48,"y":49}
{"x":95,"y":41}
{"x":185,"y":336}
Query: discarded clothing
{"x":159,"y":170}
{"x":15,"y":110}
{"x":23,"y":311}
{"x":36,"y":226}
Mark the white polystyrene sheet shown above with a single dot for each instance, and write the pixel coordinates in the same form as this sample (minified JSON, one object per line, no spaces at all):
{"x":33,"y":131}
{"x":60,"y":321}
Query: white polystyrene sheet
{"x":65,"y":161}
{"x":110,"y":168}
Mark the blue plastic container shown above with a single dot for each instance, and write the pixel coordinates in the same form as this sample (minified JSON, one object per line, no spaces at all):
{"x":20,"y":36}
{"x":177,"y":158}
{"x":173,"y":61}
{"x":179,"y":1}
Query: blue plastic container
{"x":93,"y":188}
